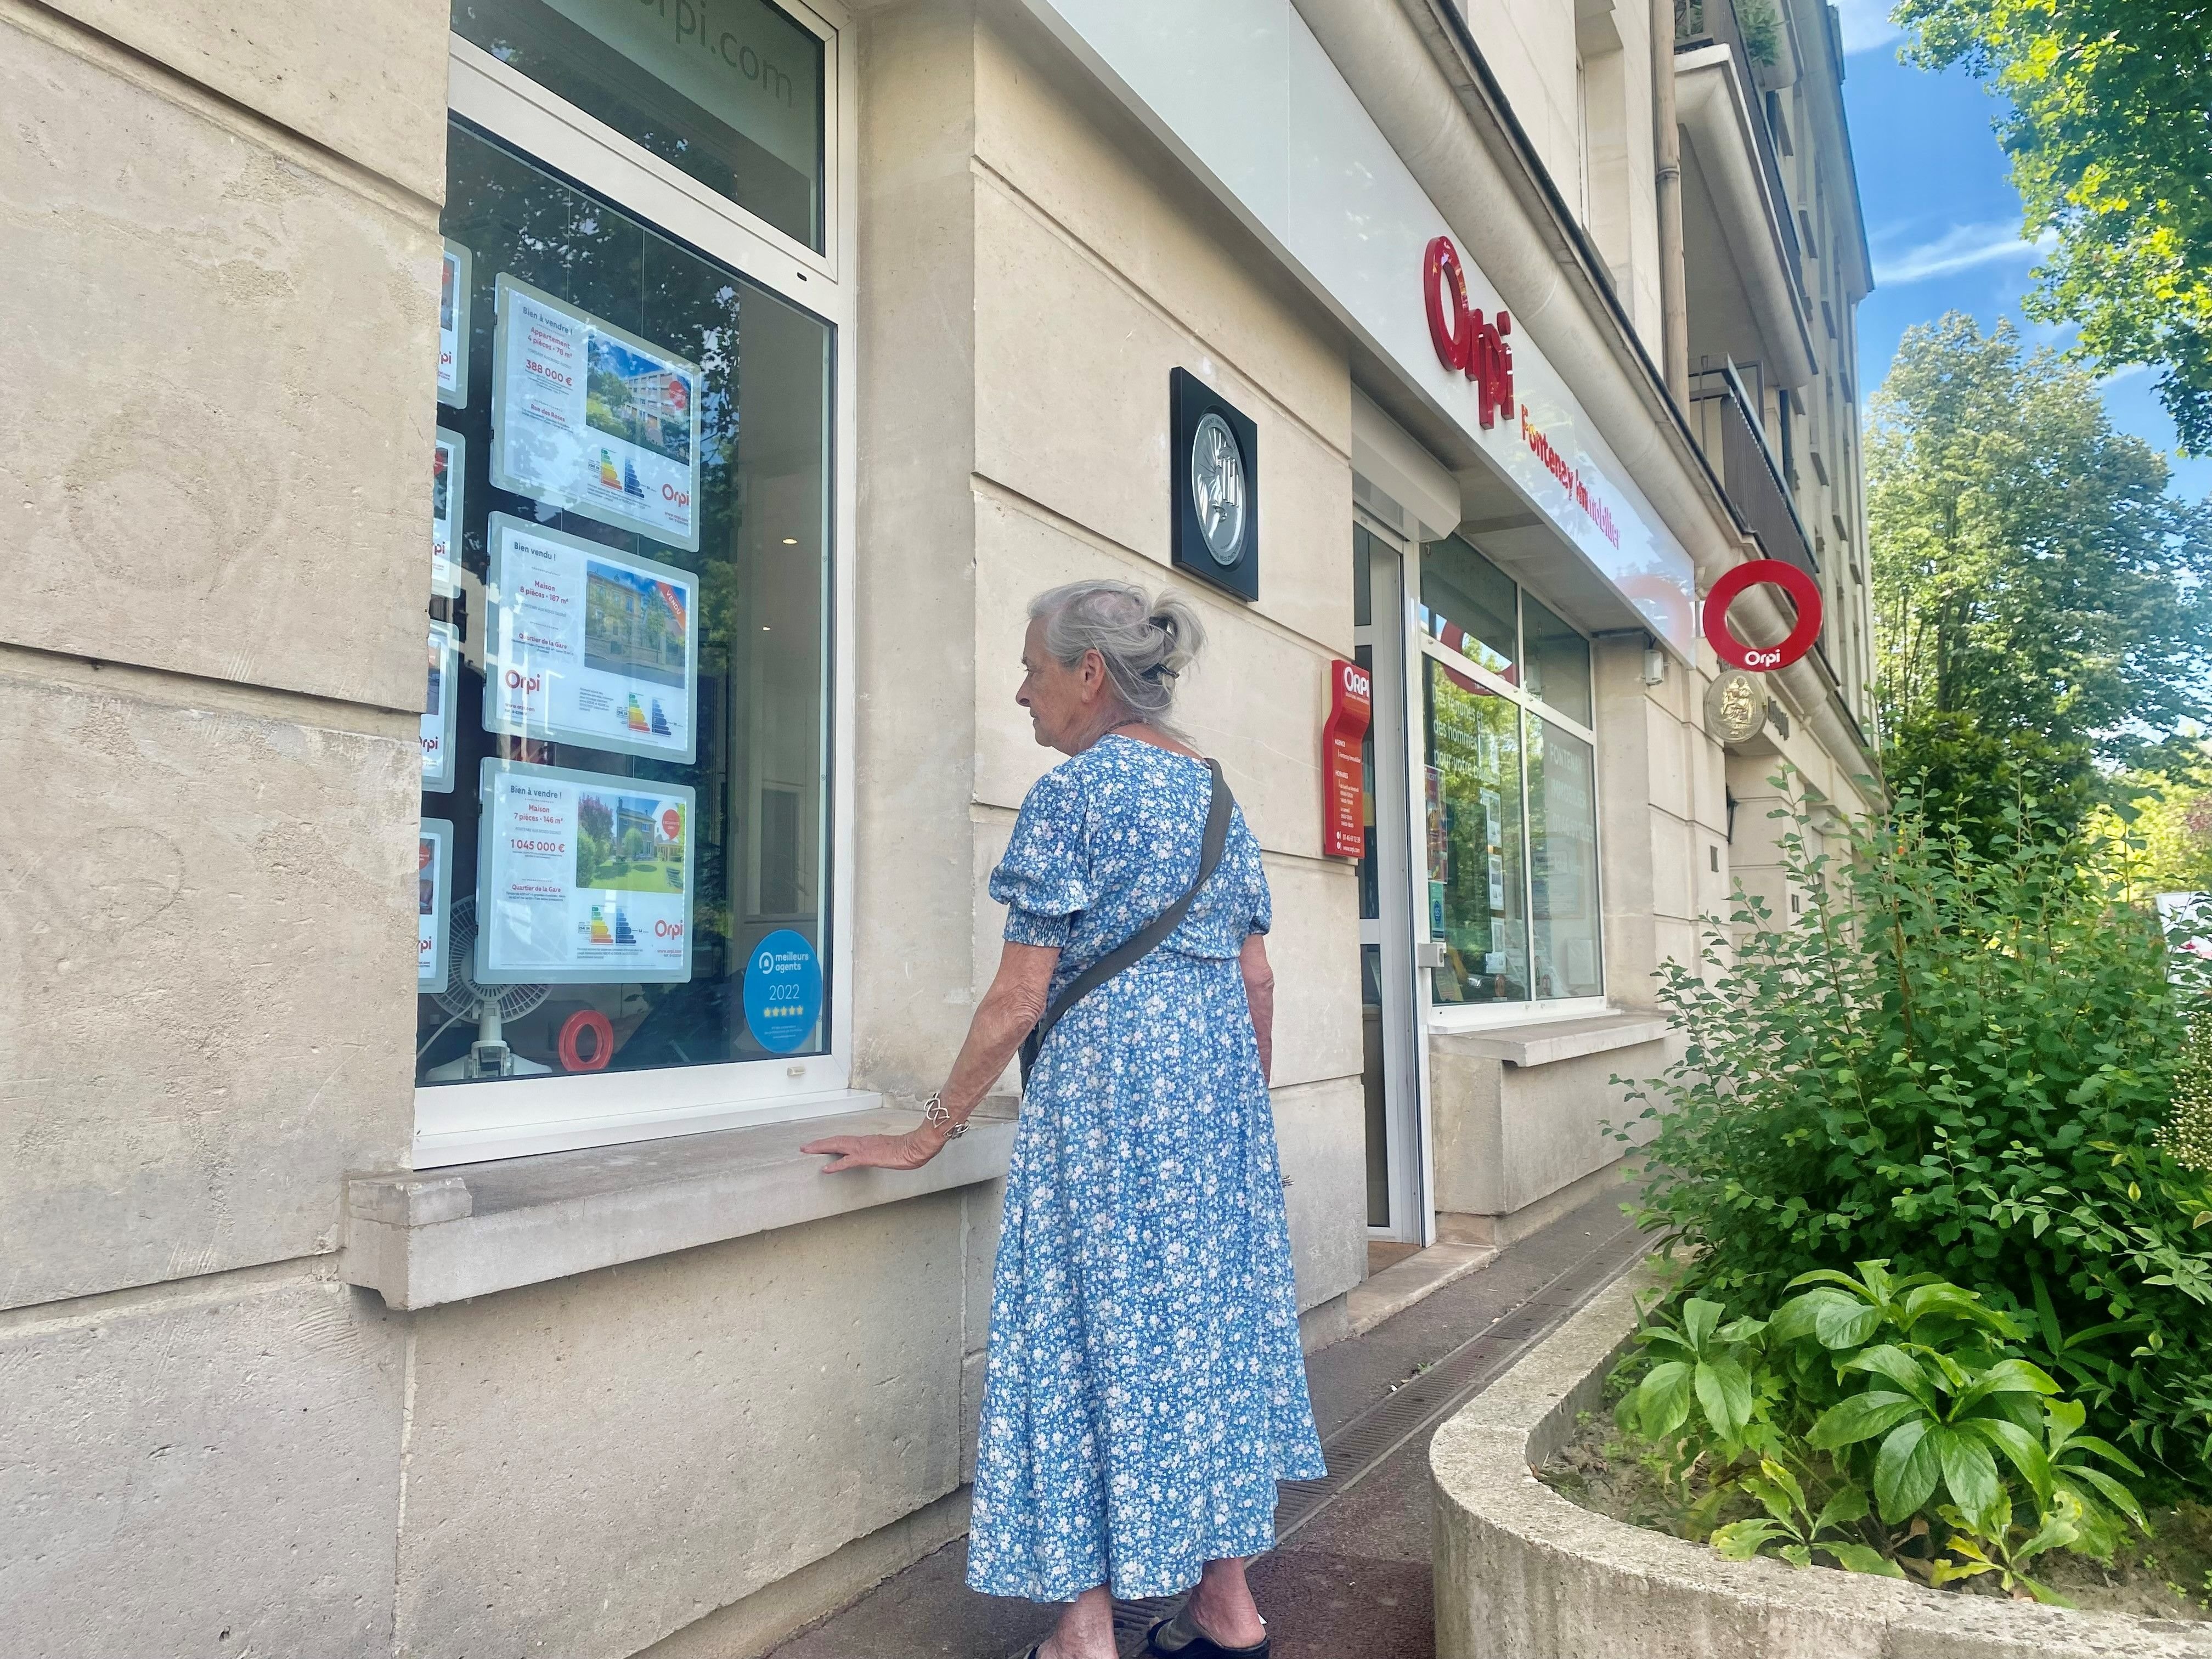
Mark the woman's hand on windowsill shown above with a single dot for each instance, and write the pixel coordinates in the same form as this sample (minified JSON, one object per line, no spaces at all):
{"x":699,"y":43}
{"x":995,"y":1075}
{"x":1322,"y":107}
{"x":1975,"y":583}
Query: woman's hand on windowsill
{"x":908,"y":1151}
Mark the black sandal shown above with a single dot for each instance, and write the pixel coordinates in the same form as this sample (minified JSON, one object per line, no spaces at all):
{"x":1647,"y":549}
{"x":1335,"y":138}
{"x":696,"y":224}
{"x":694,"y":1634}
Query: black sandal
{"x":1190,"y":1643}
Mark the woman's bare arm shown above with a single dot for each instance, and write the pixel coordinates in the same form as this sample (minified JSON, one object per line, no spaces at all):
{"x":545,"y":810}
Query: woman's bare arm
{"x":1260,"y":992}
{"x":1009,"y":1010}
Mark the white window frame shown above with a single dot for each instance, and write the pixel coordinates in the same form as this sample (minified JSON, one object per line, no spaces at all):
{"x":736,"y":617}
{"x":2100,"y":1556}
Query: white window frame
{"x":1450,"y":1017}
{"x":514,"y":1117}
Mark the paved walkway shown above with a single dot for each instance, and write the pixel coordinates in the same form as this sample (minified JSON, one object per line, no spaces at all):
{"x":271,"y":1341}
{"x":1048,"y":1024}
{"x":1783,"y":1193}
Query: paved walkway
{"x":1350,"y":1573}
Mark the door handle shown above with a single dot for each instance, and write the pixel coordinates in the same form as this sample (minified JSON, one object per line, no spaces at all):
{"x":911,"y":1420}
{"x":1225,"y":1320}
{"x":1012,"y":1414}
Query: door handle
{"x":1429,"y":953}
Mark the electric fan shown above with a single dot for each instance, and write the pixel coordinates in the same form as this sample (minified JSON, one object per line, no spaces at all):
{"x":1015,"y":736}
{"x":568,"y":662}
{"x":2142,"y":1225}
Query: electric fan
{"x":489,"y":1006}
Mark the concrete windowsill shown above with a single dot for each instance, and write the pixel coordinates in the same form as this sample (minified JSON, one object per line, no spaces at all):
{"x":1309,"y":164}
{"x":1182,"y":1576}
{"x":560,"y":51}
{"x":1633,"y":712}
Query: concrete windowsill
{"x":1541,"y":1042}
{"x":445,"y":1235}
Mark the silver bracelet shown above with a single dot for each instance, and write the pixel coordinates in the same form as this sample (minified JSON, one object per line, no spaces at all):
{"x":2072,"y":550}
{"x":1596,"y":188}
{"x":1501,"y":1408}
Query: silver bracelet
{"x":933,"y":1111}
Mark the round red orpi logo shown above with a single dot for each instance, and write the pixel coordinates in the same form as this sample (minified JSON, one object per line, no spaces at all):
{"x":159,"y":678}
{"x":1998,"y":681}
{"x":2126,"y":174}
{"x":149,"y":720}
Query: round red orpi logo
{"x":1761,"y":658}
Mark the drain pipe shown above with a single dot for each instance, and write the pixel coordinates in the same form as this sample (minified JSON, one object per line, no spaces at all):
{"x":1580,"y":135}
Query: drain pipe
{"x":1666,"y":160}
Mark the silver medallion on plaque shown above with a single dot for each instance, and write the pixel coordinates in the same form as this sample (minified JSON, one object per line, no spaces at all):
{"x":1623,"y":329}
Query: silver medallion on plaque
{"x":1217,"y":488}
{"x":1735,"y":705}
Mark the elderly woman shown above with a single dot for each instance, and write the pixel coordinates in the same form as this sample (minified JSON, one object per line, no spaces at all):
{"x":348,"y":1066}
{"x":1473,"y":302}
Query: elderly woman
{"x":1146,"y":1388}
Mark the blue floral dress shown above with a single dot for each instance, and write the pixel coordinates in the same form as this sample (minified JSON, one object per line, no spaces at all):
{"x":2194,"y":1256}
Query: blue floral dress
{"x":1145,"y":1389}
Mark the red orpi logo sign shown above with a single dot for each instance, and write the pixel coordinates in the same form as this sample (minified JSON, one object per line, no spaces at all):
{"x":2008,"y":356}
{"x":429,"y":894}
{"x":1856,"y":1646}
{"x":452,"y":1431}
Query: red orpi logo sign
{"x":1350,"y":703}
{"x":1760,"y":659}
{"x":1462,"y":339}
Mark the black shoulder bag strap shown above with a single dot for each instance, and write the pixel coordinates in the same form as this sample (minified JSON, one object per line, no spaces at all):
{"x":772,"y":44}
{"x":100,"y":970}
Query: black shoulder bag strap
{"x":1140,"y":943}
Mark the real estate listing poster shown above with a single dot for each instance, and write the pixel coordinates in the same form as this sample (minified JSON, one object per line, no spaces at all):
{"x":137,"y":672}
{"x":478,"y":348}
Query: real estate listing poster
{"x":441,"y":702}
{"x":590,"y":418}
{"x":454,"y":327}
{"x":434,"y":881}
{"x":582,"y":878}
{"x":449,"y":474}
{"x":587,"y":646}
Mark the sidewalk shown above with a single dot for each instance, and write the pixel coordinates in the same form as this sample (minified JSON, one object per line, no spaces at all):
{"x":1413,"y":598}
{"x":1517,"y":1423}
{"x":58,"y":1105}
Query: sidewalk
{"x":1350,"y":1572}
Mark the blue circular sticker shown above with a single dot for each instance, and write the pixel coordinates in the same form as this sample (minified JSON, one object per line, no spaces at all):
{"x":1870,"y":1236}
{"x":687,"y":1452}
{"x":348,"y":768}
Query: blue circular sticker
{"x":783,"y":991}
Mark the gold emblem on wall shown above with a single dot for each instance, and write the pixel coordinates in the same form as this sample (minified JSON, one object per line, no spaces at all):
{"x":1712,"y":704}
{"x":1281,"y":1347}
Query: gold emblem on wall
{"x":1735,"y":706}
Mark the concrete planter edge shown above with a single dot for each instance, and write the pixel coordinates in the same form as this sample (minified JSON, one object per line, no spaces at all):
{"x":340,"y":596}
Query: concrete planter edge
{"x":1523,"y":1573}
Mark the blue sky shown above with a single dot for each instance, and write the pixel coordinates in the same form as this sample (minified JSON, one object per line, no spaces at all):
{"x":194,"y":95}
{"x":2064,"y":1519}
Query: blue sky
{"x":1944,"y":222}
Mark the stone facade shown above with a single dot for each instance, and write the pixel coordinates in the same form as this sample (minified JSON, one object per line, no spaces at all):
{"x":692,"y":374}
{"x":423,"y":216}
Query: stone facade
{"x":220,"y":225}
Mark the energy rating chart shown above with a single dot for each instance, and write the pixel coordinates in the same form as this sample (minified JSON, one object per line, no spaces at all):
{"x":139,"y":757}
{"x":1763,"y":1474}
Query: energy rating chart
{"x":589,"y":646}
{"x":582,"y":878}
{"x":589,"y":417}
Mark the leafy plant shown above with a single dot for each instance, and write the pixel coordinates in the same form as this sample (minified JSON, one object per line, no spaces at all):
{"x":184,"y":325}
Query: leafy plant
{"x":1942,"y":1426}
{"x":1873,"y":1414}
{"x":2089,"y":1488}
{"x":1710,"y":1372}
{"x":1844,"y":1310}
{"x":2005,"y":1554}
{"x":1957,"y":1059}
{"x":1794,"y":1532}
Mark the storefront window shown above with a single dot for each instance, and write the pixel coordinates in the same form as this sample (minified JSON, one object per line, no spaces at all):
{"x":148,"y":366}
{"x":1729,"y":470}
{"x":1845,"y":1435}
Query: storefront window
{"x":1478,"y":895}
{"x":730,"y":92}
{"x":1562,"y":860}
{"x":1466,"y":603}
{"x":625,"y":848}
{"x":1511,"y":789}
{"x":1558,"y":661}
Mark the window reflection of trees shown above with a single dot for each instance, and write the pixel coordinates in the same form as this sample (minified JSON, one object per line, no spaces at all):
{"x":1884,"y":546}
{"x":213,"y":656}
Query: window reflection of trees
{"x":518,"y":218}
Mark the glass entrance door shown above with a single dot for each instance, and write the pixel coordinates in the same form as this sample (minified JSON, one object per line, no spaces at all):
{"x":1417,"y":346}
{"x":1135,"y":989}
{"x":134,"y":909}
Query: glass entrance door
{"x":1397,"y":1198}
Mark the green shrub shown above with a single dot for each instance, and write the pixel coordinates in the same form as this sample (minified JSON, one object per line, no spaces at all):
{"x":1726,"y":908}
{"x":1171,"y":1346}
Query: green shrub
{"x":1953,"y":1060}
{"x":1887,"y":1424}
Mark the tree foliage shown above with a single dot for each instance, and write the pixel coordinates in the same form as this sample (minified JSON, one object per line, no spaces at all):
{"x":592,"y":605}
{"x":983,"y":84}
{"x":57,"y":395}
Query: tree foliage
{"x":1978,"y":781}
{"x":2157,"y":826}
{"x":2036,"y":589}
{"x":2108,"y":124}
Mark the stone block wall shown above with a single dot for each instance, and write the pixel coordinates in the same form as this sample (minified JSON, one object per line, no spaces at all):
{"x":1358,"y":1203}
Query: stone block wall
{"x":1068,"y":269}
{"x":221,"y":225}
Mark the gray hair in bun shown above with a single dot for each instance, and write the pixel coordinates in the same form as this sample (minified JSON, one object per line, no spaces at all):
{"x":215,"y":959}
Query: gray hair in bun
{"x":1145,"y":642}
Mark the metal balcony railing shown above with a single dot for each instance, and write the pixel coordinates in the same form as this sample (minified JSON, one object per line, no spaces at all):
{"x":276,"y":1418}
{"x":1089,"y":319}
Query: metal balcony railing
{"x":1729,"y":429}
{"x":1720,"y":24}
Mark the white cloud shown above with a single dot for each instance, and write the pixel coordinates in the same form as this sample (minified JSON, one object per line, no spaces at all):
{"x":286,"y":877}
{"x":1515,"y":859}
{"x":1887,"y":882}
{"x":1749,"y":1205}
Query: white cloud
{"x":1867,"y":25}
{"x":1959,"y":248}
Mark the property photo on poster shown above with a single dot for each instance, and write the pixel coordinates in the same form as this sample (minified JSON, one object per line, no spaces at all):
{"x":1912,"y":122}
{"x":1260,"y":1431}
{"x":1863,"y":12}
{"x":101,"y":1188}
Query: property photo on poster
{"x":441,"y":701}
{"x":587,"y":646}
{"x":454,"y":327}
{"x":433,"y":880}
{"x":448,"y":475}
{"x":590,"y":418}
{"x":582,"y":877}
